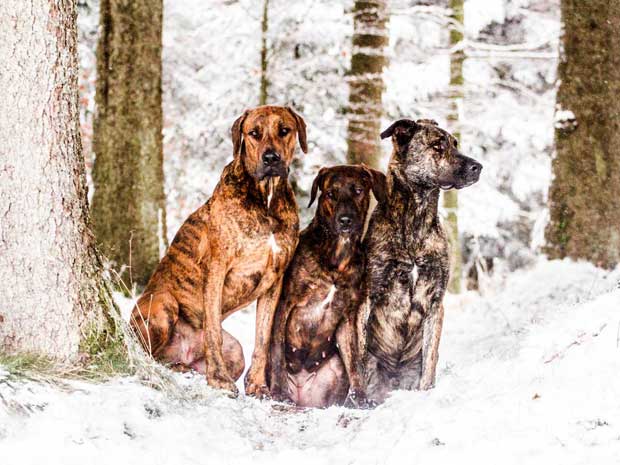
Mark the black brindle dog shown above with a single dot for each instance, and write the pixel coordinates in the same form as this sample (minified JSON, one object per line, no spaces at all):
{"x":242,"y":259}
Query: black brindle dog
{"x":407,"y":255}
{"x":315,"y":359}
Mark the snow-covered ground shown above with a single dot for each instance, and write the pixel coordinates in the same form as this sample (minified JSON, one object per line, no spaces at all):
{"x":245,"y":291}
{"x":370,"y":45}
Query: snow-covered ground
{"x":529,"y":373}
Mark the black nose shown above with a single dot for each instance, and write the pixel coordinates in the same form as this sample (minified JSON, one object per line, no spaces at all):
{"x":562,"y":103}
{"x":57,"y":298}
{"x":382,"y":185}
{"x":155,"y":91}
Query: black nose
{"x":475,"y":168}
{"x":270,"y":157}
{"x":345,"y":221}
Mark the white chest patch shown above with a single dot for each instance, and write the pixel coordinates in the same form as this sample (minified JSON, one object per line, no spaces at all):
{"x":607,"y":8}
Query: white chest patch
{"x":328,"y":299}
{"x":275,"y":248}
{"x":270,"y":195}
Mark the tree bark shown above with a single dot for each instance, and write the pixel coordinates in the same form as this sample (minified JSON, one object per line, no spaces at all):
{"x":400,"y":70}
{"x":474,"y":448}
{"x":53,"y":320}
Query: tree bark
{"x":129,"y":203}
{"x":450,"y":198}
{"x":264,"y":80}
{"x":51,"y":286}
{"x":584,"y":198}
{"x":365,"y":79}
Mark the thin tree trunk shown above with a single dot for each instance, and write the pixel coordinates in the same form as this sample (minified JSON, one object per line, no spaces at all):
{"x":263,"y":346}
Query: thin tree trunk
{"x":584,"y":198}
{"x":450,"y":198}
{"x":51,"y":287}
{"x":366,"y":86}
{"x":129,"y":203}
{"x":264,"y":81}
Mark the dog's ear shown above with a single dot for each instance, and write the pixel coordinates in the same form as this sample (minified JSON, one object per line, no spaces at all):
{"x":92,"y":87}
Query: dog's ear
{"x":402,"y":130}
{"x":316,"y":184}
{"x":378,"y":183}
{"x":236,"y":132}
{"x":301,"y":130}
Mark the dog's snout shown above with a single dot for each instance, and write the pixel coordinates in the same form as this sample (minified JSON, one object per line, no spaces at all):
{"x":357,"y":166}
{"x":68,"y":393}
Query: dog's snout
{"x":475,"y":168}
{"x":270,"y":157}
{"x":345,"y":220}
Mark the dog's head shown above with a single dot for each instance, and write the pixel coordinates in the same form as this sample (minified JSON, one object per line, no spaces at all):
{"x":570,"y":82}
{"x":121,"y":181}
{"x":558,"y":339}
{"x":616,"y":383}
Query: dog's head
{"x":265,"y":139}
{"x":345,"y":196}
{"x":425,"y":154}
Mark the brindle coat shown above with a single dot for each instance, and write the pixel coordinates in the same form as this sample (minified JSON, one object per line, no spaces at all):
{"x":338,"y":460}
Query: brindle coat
{"x":231,"y":251}
{"x":407,"y":258}
{"x":315,"y":350}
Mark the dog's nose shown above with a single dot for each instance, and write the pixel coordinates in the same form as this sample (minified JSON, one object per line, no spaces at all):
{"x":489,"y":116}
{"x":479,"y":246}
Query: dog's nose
{"x":475,"y":168}
{"x":345,"y":221}
{"x":270,"y":157}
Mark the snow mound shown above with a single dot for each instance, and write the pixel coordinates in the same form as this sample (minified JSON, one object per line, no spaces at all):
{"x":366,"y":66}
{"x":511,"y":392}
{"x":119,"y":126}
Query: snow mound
{"x":528,"y":374}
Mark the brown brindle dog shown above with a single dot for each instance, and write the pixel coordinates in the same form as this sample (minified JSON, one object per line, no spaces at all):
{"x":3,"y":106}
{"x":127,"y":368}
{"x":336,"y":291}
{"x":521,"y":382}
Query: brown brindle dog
{"x":315,"y":351}
{"x":231,"y":251}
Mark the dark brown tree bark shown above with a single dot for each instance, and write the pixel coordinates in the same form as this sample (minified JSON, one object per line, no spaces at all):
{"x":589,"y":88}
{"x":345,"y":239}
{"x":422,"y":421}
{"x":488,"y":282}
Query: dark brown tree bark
{"x":129,"y":203}
{"x":584,"y":198}
{"x":51,"y":289}
{"x":365,"y":79}
{"x":264,"y":79}
{"x":450,"y":198}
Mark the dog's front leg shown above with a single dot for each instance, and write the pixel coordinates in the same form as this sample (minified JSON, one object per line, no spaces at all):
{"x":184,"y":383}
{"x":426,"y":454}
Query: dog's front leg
{"x":346,"y":336}
{"x":278,"y":375}
{"x":216,"y":371}
{"x":256,"y":378}
{"x":429,"y":291}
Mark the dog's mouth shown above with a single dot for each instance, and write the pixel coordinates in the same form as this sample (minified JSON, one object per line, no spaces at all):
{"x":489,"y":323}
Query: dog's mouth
{"x":272,"y":172}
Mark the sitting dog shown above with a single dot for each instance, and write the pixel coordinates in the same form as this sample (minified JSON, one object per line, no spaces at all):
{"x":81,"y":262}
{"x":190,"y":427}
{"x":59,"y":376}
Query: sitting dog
{"x":407,"y":258}
{"x":315,"y":349}
{"x":231,"y":251}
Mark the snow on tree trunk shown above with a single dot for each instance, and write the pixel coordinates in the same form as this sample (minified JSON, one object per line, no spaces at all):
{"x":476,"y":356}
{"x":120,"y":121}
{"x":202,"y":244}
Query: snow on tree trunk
{"x":129,"y":203}
{"x":366,"y":82}
{"x":584,"y":198}
{"x":49,"y":273}
{"x":450,"y":198}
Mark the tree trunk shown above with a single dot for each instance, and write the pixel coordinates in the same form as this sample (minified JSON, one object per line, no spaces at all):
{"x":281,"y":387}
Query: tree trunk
{"x":129,"y":203}
{"x":366,"y":82}
{"x":584,"y":198}
{"x":450,"y":198}
{"x":264,"y":81}
{"x":51,"y":285}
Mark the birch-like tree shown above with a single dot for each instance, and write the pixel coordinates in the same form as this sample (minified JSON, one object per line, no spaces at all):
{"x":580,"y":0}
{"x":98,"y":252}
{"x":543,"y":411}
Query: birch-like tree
{"x":51,"y":291}
{"x":584,"y":198}
{"x":129,"y":213}
{"x":370,"y":37}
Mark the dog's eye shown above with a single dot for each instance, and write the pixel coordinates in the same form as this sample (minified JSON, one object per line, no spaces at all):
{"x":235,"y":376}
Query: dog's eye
{"x":358,"y":190}
{"x":330,"y":195}
{"x":437,"y":146}
{"x":284,"y":131}
{"x":253,"y":133}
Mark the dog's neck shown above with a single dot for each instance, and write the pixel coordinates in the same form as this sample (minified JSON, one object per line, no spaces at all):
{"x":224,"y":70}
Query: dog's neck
{"x":414,"y":206}
{"x":336,"y":251}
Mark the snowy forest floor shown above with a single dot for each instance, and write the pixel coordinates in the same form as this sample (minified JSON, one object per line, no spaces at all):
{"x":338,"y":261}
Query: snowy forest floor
{"x":529,"y":372}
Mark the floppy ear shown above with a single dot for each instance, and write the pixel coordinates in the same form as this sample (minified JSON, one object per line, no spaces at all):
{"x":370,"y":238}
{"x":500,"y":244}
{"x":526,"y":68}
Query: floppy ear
{"x":378,"y":183}
{"x":318,"y":182}
{"x":402,"y":130}
{"x":301,"y":130}
{"x":236,"y":132}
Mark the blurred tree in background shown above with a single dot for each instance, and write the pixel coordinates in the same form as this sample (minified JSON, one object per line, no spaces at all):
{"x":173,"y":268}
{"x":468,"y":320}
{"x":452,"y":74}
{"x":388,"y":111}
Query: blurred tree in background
{"x":450,"y":198}
{"x":129,"y":203}
{"x":584,"y":196}
{"x":263,"y":96}
{"x":370,"y":37}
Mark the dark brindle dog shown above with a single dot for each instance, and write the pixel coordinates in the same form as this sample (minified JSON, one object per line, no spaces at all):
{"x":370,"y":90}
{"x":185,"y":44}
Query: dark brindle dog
{"x":315,"y":349}
{"x":231,"y":251}
{"x":408,"y":266}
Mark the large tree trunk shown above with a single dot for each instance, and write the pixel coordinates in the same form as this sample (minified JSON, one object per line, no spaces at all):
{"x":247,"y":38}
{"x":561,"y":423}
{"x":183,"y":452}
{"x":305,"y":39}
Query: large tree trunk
{"x":129,"y":202}
{"x":50,"y":287}
{"x":366,"y":82}
{"x":450,"y":198}
{"x":584,"y":198}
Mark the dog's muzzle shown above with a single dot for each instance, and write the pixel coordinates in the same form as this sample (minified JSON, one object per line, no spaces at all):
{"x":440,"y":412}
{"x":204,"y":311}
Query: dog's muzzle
{"x":271,"y":165}
{"x":466,"y":174}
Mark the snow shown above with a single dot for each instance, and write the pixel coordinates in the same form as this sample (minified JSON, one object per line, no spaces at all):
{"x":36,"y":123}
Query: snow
{"x":528,"y":373}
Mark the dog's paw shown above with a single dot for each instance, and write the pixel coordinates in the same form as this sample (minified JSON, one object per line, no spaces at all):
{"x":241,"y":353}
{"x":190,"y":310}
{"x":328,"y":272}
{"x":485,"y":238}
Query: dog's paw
{"x":223,"y":383}
{"x":279,"y":395}
{"x":260,"y":391}
{"x":358,"y":399}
